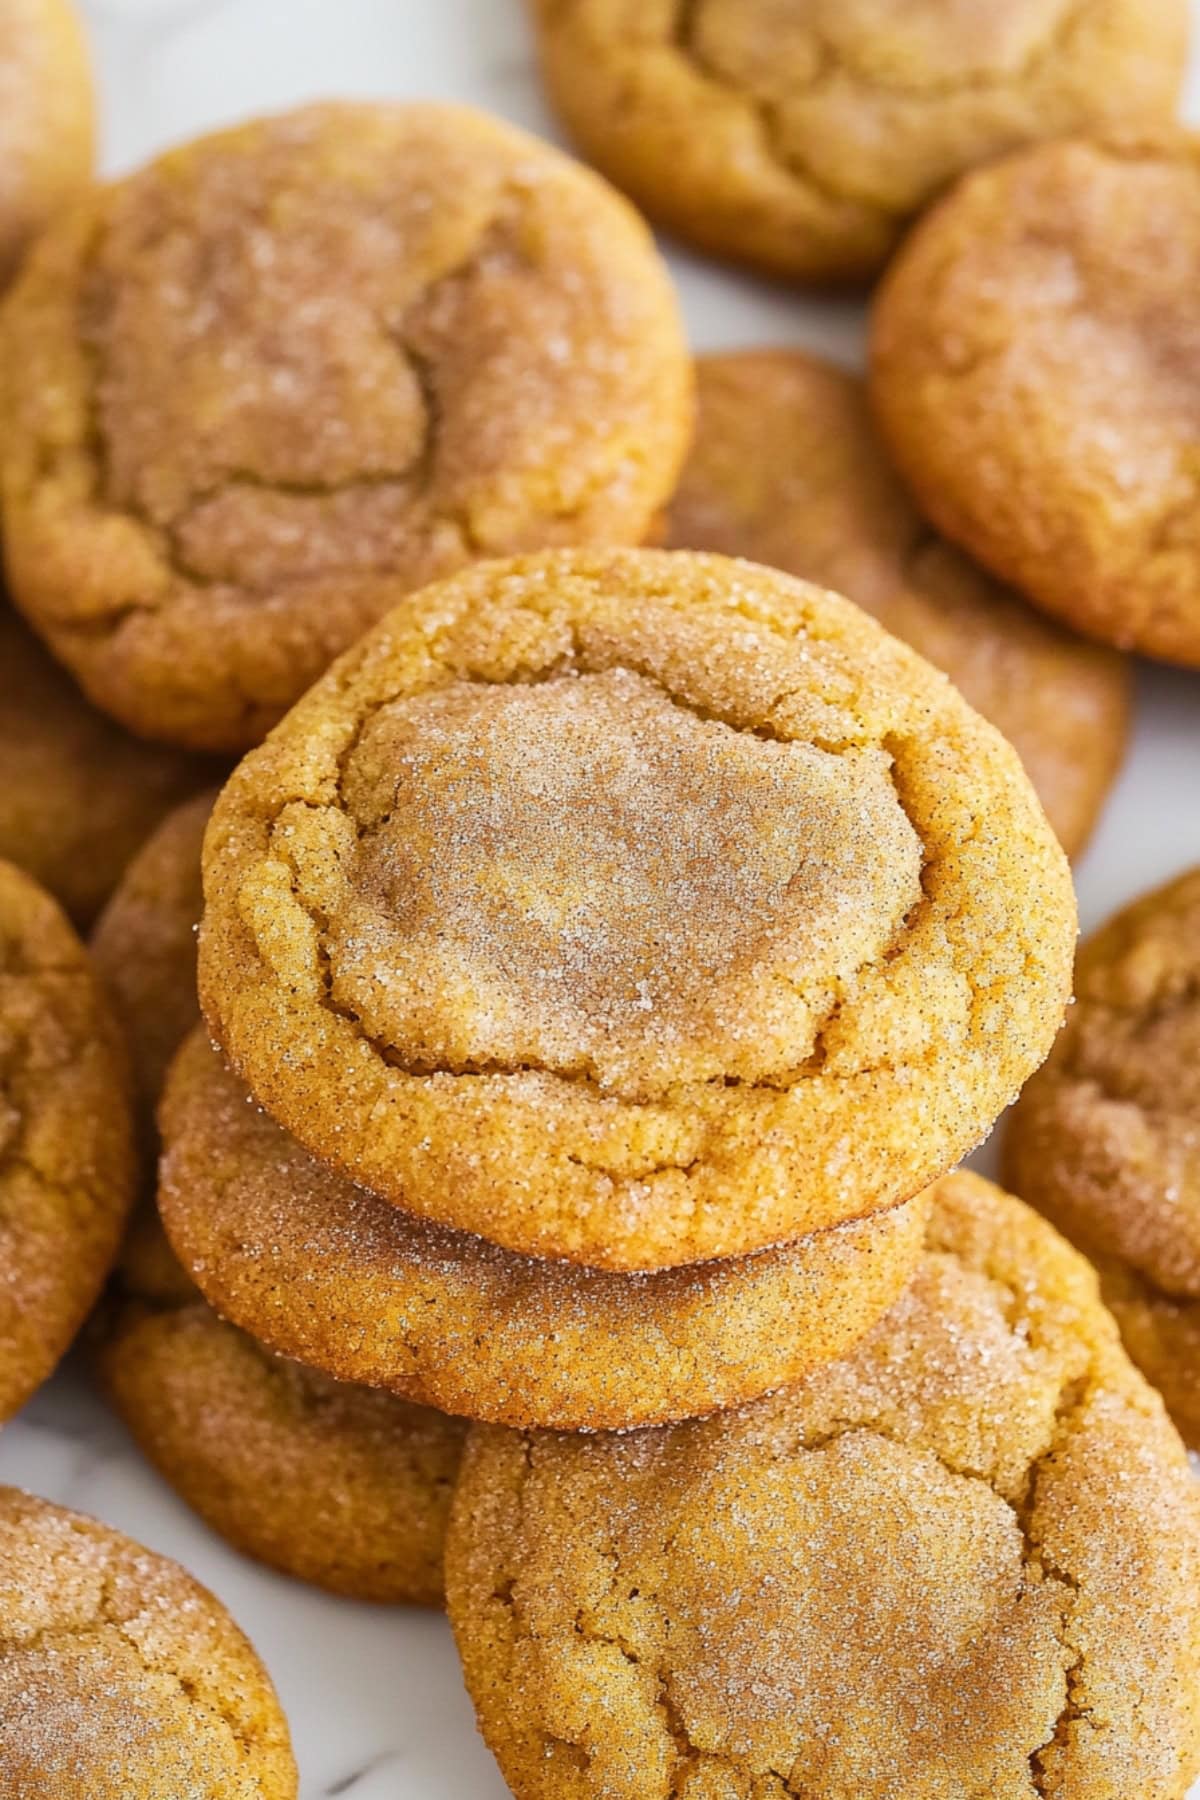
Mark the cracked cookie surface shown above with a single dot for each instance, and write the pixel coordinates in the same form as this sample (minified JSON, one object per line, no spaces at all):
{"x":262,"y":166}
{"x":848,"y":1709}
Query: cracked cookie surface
{"x":1034,"y":369}
{"x":801,"y":135}
{"x":120,"y":1676}
{"x":77,"y":794}
{"x":1103,"y":1139}
{"x":46,"y":122}
{"x":280,"y":376}
{"x":329,"y":1481}
{"x":962,"y":1560}
{"x":786,"y":468}
{"x":320,"y":1270}
{"x":753,"y":927}
{"x":66,"y":1140}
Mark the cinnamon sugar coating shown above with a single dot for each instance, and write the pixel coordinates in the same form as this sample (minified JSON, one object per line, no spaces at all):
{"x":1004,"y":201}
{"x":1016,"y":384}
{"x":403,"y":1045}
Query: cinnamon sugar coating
{"x":961,"y":1561}
{"x":46,"y":119}
{"x":1034,"y":370}
{"x":121,"y":1678}
{"x":318,"y":1269}
{"x":801,"y":135}
{"x":787,"y":468}
{"x":635,"y":908}
{"x":1104,"y":1139}
{"x":283,"y":374}
{"x":335,"y":1483}
{"x":66,"y":1138}
{"x":77,"y":794}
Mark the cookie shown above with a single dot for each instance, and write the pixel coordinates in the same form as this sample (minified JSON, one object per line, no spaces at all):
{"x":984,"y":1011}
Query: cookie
{"x":961,"y":1561}
{"x":1034,"y":371}
{"x":144,"y":944}
{"x":290,"y":371}
{"x":1104,"y":1142}
{"x":321,"y":1271}
{"x":335,"y":1483}
{"x":77,"y":794}
{"x":635,"y":908}
{"x":786,"y":468}
{"x":121,"y":1678}
{"x":46,"y":119}
{"x":66,"y":1138}
{"x":801,"y":135}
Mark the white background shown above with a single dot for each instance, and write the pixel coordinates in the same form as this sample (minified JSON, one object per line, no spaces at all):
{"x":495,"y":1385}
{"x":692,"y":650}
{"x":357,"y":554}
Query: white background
{"x":373,"y":1695}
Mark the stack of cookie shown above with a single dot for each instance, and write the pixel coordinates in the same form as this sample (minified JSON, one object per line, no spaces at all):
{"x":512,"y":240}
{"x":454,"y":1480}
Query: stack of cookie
{"x":575,"y":943}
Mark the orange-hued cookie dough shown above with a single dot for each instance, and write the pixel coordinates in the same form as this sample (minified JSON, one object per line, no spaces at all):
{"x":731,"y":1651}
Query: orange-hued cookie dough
{"x":121,"y":1678}
{"x":326,"y":1480}
{"x":285,"y":373}
{"x":1034,"y":369}
{"x":77,"y":794}
{"x":801,"y":135}
{"x":66,"y":1138}
{"x":786,"y":468}
{"x":144,"y":944}
{"x":1104,"y":1139}
{"x":635,"y":908}
{"x":320,"y":1270}
{"x":46,"y":123}
{"x":962,"y":1561}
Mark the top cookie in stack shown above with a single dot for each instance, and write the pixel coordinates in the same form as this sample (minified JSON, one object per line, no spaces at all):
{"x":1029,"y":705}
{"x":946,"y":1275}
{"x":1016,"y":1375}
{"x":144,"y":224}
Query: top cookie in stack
{"x":624,"y":909}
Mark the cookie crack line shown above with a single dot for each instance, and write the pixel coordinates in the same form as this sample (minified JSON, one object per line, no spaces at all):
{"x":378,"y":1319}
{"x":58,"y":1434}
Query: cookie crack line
{"x":245,"y":1744}
{"x":584,"y":1075}
{"x":830,"y":60}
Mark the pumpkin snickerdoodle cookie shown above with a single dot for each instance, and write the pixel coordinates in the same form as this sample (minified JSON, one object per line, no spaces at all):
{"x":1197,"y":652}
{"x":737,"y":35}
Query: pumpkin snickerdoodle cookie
{"x":1035,"y":371}
{"x":317,"y":1269}
{"x":66,"y":1138}
{"x":800,"y":135}
{"x":329,"y":1481}
{"x":144,"y":944}
{"x":786,"y":468}
{"x":636,"y":908}
{"x":963,"y":1560}
{"x":120,"y":1676}
{"x":77,"y":794}
{"x":283,"y":374}
{"x":1104,"y":1139}
{"x":46,"y":123}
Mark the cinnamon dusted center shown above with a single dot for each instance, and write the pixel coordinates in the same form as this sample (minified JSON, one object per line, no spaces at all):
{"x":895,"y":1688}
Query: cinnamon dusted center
{"x":840,"y":1612}
{"x":583,"y":876}
{"x":778,"y":51}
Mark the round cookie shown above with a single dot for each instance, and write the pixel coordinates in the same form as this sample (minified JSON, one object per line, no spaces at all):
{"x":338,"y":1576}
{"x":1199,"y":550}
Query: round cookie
{"x":786,"y":468}
{"x":77,"y":794}
{"x":144,"y":944}
{"x":120,"y":1676}
{"x":962,"y":1561}
{"x":801,"y":135}
{"x":636,"y":908}
{"x":337,"y":1484}
{"x":482,"y":355}
{"x":1033,"y":368}
{"x":319,"y":1270}
{"x":46,"y":119}
{"x":1104,"y":1141}
{"x":66,"y":1139}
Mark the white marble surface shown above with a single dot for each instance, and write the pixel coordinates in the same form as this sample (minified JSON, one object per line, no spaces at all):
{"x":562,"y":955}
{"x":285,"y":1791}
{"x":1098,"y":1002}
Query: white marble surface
{"x":374,"y":1697}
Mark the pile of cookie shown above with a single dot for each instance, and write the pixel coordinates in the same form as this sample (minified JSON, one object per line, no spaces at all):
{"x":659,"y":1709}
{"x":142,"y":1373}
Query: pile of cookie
{"x":535,"y":1189}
